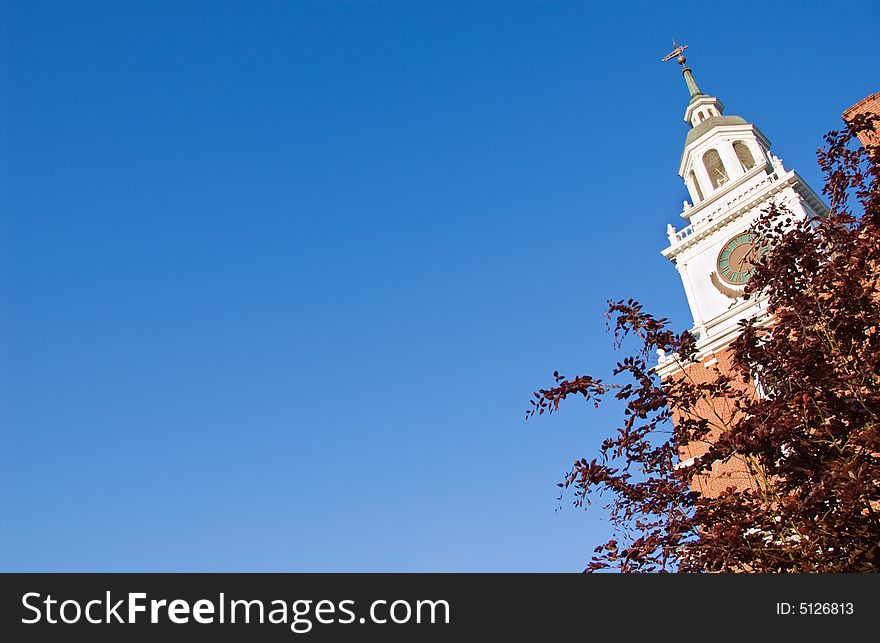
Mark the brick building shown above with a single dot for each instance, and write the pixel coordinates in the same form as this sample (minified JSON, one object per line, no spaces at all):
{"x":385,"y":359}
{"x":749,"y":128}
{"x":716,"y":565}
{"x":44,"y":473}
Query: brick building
{"x":731,"y":177}
{"x":868,"y":105}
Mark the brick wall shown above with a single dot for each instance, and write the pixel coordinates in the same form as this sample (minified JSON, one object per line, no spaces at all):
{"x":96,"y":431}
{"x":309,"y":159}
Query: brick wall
{"x":720,"y":414}
{"x":868,"y":105}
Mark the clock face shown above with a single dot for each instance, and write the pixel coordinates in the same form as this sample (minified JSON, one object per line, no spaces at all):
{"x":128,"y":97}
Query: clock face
{"x":735,"y":261}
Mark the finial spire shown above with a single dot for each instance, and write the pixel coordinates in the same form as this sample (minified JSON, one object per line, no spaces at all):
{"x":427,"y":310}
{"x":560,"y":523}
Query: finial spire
{"x":678,"y":53}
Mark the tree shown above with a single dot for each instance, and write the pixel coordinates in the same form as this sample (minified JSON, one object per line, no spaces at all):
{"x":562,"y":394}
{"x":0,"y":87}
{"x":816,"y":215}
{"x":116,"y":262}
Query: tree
{"x":807,"y":438}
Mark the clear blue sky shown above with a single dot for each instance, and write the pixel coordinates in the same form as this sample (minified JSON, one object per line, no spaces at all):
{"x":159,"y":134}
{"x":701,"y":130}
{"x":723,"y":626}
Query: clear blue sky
{"x":278,"y":279}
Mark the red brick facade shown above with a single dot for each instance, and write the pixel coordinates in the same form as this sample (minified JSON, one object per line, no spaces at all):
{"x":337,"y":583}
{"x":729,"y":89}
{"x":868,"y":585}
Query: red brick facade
{"x":868,"y":105}
{"x":719,"y":413}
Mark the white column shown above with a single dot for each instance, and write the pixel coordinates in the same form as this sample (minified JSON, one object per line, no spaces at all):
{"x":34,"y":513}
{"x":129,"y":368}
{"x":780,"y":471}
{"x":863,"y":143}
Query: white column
{"x":689,"y":293}
{"x":702,"y":175}
{"x":689,"y":183}
{"x":730,"y":160}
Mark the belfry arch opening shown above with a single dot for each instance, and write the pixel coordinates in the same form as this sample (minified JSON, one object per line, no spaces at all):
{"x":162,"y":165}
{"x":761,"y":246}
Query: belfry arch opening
{"x":715,"y":168}
{"x":744,"y":154}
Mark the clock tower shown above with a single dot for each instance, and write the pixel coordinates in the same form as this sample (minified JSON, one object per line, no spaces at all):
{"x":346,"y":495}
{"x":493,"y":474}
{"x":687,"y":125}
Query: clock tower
{"x":731,"y":177}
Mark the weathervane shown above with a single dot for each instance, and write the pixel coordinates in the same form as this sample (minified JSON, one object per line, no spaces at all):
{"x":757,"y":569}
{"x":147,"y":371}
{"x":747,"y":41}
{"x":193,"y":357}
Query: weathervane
{"x":678,"y":53}
{"x":677,"y":50}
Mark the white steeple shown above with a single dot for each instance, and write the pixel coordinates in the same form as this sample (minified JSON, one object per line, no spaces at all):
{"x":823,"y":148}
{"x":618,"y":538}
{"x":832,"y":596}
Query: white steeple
{"x":731,"y":178}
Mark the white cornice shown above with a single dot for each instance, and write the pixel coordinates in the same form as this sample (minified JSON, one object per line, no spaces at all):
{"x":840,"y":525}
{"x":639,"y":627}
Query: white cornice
{"x":695,"y":233}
